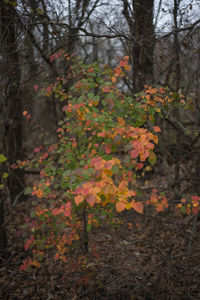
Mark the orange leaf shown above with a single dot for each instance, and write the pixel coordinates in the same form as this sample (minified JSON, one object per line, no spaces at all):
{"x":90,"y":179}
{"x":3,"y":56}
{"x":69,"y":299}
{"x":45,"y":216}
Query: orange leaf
{"x":91,"y":199}
{"x":138,"y":206}
{"x":159,"y":207}
{"x":120,"y":206}
{"x":113,"y":79}
{"x":130,"y":226}
{"x":56,"y":257}
{"x":156,"y":129}
{"x":121,"y":121}
{"x":183,"y":200}
{"x":118,"y":70}
{"x":154,"y":198}
{"x":78,"y":199}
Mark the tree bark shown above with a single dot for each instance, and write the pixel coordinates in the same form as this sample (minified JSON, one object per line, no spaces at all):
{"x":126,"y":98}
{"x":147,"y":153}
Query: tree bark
{"x":11,"y":100}
{"x":139,"y":17}
{"x":3,"y":240}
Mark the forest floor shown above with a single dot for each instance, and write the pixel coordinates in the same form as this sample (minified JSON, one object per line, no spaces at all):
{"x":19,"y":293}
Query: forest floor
{"x":154,"y":256}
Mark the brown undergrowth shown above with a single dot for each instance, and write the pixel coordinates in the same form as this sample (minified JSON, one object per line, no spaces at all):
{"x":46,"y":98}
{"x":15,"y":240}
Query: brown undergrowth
{"x":153,"y":256}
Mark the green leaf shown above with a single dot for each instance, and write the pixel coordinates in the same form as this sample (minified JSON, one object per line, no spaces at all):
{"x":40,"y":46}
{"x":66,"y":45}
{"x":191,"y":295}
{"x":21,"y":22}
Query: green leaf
{"x":183,"y":210}
{"x":32,"y":214}
{"x":2,"y":158}
{"x":89,"y":227}
{"x":60,"y":123}
{"x":67,"y":173}
{"x":152,"y":158}
{"x":82,"y":162}
{"x":5,"y":175}
{"x":115,"y":169}
{"x":104,"y":102}
{"x":28,"y":190}
{"x":40,"y":257}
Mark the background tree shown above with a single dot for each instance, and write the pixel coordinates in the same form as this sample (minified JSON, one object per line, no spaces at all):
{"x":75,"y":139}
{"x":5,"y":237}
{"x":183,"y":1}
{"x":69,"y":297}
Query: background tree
{"x":139,"y":16}
{"x":11,"y":101}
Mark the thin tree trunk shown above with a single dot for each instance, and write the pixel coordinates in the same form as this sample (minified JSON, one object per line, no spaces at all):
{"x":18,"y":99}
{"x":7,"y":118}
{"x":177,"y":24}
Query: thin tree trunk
{"x":177,"y":87}
{"x":3,"y":240}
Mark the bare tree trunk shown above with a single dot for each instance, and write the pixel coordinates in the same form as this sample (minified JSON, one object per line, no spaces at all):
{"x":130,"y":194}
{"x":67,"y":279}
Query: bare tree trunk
{"x":3,"y":240}
{"x":177,"y":87}
{"x":11,"y":101}
{"x":139,"y":17}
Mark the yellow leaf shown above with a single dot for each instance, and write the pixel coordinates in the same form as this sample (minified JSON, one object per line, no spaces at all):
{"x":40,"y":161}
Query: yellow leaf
{"x":36,"y":263}
{"x":151,"y":117}
{"x":128,"y":206}
{"x":127,"y":68}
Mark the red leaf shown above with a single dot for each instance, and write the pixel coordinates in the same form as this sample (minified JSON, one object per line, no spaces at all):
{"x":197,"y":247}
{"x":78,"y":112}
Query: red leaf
{"x":56,"y":211}
{"x":91,"y":199}
{"x":195,"y":210}
{"x":59,"y":130}
{"x":134,"y":153}
{"x":65,"y":108}
{"x":101,"y":134}
{"x":144,"y":155}
{"x":67,"y":209}
{"x":108,"y":148}
{"x":159,"y":207}
{"x":36,"y":150}
{"x":106,"y":89}
{"x":139,"y":166}
{"x":52,"y":57}
{"x":45,"y":155}
{"x":123,"y":63}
